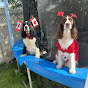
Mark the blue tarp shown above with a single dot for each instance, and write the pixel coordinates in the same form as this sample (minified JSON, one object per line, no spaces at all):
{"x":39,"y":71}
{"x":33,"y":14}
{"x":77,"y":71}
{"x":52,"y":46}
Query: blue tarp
{"x":48,"y":69}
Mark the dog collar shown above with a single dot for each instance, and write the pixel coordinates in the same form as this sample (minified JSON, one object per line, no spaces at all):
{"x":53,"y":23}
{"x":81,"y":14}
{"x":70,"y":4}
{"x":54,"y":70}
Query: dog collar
{"x":28,"y":35}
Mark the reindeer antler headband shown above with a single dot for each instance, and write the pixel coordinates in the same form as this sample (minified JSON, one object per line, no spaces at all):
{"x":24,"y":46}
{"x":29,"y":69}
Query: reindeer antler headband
{"x":62,"y":14}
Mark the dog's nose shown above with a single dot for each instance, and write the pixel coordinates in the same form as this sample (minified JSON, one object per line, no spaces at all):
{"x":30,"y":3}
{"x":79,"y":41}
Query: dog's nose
{"x":67,"y":24}
{"x":26,"y":27}
{"x":64,"y":57}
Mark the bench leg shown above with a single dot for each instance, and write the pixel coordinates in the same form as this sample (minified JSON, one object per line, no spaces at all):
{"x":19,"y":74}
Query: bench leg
{"x":19,"y":70}
{"x":29,"y":77}
{"x":86,"y":83}
{"x":18,"y":65}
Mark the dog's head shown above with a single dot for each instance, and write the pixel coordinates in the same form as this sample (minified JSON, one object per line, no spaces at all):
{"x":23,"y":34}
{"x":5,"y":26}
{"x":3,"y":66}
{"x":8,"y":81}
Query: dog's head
{"x":28,"y":30}
{"x":26,"y":27}
{"x":67,"y":23}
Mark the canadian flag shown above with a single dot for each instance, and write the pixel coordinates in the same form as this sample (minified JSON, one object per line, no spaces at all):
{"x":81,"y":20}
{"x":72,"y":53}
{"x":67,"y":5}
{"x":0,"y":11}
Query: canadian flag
{"x":34,"y":22}
{"x":18,"y":25}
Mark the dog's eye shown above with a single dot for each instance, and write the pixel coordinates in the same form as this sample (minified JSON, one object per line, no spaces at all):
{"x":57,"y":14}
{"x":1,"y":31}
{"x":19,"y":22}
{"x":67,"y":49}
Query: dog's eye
{"x":65,"y":20}
{"x":27,"y":23}
{"x":23,"y":24}
{"x":70,"y":19}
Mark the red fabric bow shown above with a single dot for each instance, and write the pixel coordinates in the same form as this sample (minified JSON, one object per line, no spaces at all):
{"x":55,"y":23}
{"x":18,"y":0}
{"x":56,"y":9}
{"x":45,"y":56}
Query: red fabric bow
{"x":60,"y":14}
{"x":30,"y":25}
{"x":28,"y":35}
{"x":73,"y":15}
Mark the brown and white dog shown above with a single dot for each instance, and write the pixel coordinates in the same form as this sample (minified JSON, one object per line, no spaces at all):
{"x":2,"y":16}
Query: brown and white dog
{"x":67,"y":54}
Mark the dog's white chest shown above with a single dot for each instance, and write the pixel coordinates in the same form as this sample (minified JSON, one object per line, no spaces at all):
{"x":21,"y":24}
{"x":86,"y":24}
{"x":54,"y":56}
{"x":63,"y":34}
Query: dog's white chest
{"x":30,"y":45}
{"x":65,"y":43}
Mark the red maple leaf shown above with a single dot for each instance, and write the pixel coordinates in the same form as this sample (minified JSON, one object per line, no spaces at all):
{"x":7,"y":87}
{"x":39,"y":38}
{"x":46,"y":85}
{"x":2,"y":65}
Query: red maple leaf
{"x":34,"y":22}
{"x":18,"y":25}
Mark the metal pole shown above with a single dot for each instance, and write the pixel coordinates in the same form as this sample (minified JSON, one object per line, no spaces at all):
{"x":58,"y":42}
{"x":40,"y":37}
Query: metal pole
{"x":29,"y":77}
{"x":19,"y":70}
{"x":86,"y":83}
{"x":9,"y":23}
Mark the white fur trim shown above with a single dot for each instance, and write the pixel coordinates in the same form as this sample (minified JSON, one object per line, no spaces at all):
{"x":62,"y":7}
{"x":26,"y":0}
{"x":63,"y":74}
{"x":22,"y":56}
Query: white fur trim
{"x":65,"y":43}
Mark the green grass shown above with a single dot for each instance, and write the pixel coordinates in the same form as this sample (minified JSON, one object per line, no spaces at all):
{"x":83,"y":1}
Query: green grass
{"x":10,"y":77}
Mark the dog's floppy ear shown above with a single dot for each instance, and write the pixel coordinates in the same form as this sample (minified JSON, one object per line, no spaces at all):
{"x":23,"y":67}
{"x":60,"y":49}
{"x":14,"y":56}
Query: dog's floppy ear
{"x":74,"y":31}
{"x":31,"y":26}
{"x":59,"y":33}
{"x":23,"y":33}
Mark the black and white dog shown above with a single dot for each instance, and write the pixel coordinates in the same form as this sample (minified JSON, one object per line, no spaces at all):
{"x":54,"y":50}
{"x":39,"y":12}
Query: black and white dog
{"x":32,"y":43}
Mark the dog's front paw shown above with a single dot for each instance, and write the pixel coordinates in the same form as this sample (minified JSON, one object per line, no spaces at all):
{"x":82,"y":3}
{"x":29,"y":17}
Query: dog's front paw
{"x":37,"y":56}
{"x":55,"y":61}
{"x":23,"y":55}
{"x":44,"y":52}
{"x":59,"y":66}
{"x":72,"y":71}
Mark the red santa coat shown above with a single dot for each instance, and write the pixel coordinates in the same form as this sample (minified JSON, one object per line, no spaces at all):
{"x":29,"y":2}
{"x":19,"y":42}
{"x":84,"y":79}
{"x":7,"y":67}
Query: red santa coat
{"x":73,"y":48}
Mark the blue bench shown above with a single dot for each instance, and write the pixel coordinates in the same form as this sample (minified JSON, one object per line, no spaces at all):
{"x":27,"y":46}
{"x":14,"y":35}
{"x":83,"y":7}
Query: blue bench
{"x":48,"y":69}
